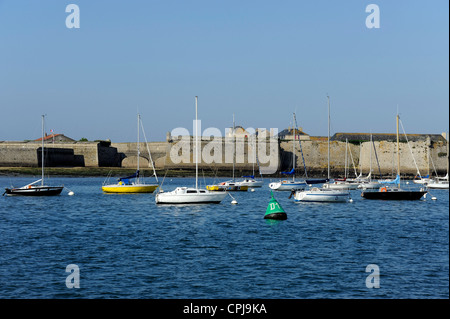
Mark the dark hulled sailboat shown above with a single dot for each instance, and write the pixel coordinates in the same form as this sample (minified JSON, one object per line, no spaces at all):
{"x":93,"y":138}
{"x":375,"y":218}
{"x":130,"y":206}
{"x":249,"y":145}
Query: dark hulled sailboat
{"x":394,"y":193}
{"x":33,"y":189}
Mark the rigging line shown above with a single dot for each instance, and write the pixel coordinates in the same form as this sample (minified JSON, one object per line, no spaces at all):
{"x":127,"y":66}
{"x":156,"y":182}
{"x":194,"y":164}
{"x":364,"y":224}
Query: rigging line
{"x":204,"y":180}
{"x":376,"y":157}
{"x":353,"y":162}
{"x":148,"y":149}
{"x":214,"y":171}
{"x":418,"y":171}
{"x":432,"y":163}
{"x":301,"y":151}
{"x":160,"y":186}
{"x":256,"y":158}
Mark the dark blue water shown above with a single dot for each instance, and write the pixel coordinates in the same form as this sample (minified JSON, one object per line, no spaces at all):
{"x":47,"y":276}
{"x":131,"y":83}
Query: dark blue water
{"x":127,"y":247}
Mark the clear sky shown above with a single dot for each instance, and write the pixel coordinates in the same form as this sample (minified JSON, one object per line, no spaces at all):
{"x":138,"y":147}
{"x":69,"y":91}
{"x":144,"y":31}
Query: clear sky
{"x":261,"y":60}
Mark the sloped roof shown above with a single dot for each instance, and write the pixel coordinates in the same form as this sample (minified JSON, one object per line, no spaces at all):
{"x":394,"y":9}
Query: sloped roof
{"x":290,"y":131}
{"x":52,"y":136}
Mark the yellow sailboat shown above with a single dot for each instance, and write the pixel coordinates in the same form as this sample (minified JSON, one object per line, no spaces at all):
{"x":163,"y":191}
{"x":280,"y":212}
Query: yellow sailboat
{"x":124,"y":185}
{"x":132,"y":184}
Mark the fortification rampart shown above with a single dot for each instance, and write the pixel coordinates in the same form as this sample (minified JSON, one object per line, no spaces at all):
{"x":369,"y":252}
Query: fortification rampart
{"x":271,"y":155}
{"x":424,"y":155}
{"x":79,"y":154}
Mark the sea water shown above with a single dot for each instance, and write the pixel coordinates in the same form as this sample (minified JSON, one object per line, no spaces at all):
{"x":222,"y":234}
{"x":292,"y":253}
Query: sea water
{"x":126,"y":246}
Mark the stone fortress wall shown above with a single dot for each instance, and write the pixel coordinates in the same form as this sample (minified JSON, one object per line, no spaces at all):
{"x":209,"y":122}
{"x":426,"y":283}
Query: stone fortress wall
{"x":427,"y":152}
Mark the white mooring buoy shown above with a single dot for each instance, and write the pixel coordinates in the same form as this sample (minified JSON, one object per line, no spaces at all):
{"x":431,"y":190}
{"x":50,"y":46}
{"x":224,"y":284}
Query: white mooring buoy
{"x":234,"y":201}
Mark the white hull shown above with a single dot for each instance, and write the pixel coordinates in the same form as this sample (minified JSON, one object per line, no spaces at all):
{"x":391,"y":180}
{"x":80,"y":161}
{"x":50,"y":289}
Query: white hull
{"x":369,"y":185}
{"x":423,"y":181}
{"x":321,"y":195}
{"x":341,"y":185}
{"x":250,"y":183}
{"x":184,"y":195}
{"x":286,"y":186}
{"x":438,"y":185}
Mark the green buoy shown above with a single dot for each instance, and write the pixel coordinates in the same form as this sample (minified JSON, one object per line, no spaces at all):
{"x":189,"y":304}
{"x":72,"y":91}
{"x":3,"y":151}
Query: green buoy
{"x":274,"y":210}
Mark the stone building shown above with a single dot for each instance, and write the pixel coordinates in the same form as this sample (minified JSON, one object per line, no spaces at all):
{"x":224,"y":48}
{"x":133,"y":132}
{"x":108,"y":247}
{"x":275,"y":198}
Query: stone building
{"x":55,"y":138}
{"x":288,"y":134}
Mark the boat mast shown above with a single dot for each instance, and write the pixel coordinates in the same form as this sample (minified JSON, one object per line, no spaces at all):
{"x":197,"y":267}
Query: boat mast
{"x":138,"y":147}
{"x":398,"y":152}
{"x":446,"y":138}
{"x":360,"y":161}
{"x":346,"y":159}
{"x":234,"y":145}
{"x":293,"y":149}
{"x":328,"y":137}
{"x":196,"y":144}
{"x":370,"y":165}
{"x":42,"y":152}
{"x":428,"y":160}
{"x":254,"y":156}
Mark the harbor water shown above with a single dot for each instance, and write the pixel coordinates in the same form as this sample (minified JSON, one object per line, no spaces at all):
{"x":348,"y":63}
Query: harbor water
{"x":125,"y":246}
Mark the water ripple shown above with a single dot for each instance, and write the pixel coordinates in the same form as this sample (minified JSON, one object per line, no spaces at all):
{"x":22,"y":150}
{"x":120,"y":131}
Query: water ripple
{"x":127,"y":247}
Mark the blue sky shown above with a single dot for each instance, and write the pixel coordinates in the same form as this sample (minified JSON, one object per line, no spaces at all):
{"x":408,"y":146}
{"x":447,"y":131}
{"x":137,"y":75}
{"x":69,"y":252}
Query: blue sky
{"x":261,"y":60}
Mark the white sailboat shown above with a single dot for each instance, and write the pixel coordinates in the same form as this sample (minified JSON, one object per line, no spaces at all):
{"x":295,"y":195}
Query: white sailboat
{"x":360,"y":179}
{"x":369,"y":183}
{"x":191,"y":195}
{"x":344,"y":184}
{"x":423,"y":180}
{"x":440,"y":182}
{"x":137,"y":185}
{"x":250,"y":180}
{"x":230,"y":185}
{"x":326,"y":193}
{"x":33,"y":189}
{"x":289,"y":185}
